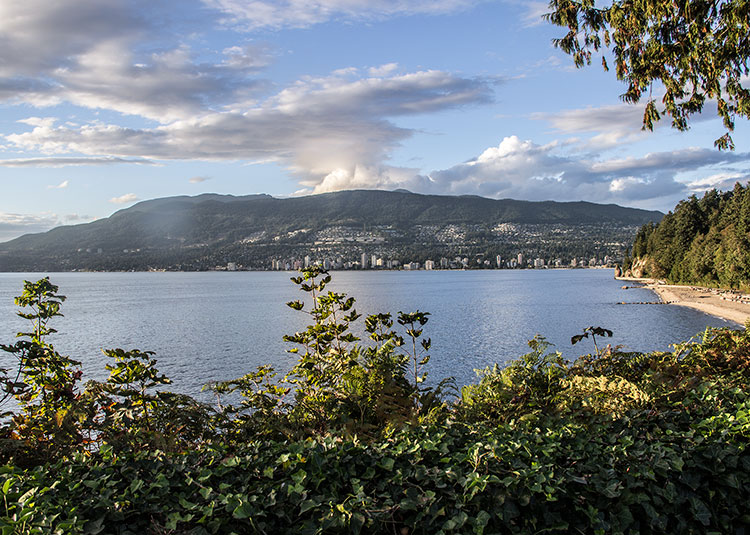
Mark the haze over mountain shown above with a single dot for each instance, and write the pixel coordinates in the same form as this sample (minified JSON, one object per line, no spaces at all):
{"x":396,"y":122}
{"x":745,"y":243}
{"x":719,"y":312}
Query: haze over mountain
{"x":197,"y":232}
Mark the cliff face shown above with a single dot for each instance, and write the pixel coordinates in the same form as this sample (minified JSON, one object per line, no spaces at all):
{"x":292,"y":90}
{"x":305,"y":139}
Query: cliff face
{"x":642,"y":267}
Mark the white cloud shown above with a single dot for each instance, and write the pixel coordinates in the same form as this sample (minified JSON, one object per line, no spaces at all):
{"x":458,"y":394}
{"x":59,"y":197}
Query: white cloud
{"x":315,"y":127}
{"x":124,"y":199}
{"x":250,"y":57}
{"x":369,"y":177}
{"x":610,"y":125}
{"x":522,"y":169}
{"x":199,"y":179}
{"x":38,"y":121}
{"x":61,"y":185}
{"x":253,"y":14}
{"x":70,"y":218}
{"x":532,"y":11}
{"x":383,"y":70}
{"x":721,"y":181}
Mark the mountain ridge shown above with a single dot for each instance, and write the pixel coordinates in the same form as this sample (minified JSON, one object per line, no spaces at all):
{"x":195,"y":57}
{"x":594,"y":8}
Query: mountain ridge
{"x":218,"y":221}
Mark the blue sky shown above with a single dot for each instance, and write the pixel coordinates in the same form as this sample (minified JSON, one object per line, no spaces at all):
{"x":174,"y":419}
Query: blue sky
{"x":107,"y":102}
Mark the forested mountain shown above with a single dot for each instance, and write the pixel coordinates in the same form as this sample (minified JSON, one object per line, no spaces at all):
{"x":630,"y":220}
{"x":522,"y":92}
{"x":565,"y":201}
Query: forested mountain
{"x":203,"y":231}
{"x":704,"y":241}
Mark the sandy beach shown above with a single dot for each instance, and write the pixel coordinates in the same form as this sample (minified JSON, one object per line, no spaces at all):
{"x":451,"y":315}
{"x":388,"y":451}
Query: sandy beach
{"x":724,"y":304}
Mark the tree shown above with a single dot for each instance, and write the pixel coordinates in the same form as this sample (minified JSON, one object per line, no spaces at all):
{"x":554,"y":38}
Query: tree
{"x":697,"y":49}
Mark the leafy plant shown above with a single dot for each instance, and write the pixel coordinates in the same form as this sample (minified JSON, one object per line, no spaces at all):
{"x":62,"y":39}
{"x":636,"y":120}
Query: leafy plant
{"x":338,"y":383}
{"x":129,"y":412}
{"x":593,"y":332}
{"x":45,"y":385}
{"x":526,"y":389}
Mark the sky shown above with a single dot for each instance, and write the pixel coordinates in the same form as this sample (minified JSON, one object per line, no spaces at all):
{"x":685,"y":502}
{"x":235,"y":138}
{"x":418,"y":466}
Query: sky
{"x":107,"y":102}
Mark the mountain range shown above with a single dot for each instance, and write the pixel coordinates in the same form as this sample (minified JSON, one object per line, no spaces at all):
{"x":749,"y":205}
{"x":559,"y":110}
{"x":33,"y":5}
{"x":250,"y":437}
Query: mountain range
{"x":210,"y":229}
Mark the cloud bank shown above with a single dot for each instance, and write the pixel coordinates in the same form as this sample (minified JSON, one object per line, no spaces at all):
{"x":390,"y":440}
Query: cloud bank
{"x":316,"y":127}
{"x":522,"y":169}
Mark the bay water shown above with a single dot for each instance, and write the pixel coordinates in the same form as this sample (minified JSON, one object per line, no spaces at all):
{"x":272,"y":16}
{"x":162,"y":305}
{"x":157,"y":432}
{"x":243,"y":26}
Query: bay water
{"x":216,"y":326}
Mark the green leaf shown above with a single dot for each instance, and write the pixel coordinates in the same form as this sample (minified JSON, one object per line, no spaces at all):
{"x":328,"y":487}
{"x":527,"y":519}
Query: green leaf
{"x":387,"y":463}
{"x":242,"y":511}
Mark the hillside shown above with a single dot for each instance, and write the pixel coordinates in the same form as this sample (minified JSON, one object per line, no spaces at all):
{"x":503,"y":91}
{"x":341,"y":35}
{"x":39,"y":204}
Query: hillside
{"x":198,"y":232}
{"x":704,"y":241}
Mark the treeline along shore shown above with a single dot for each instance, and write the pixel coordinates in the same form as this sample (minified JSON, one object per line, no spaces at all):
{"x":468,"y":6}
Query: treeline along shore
{"x":703,"y":242}
{"x":698,"y":256}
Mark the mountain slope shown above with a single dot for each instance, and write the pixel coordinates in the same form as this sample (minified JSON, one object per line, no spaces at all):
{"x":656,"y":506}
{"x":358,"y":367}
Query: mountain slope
{"x":218,"y":221}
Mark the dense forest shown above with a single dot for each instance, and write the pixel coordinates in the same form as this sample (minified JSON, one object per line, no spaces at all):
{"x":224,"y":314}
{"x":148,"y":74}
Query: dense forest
{"x":354,"y":440}
{"x":704,"y":241}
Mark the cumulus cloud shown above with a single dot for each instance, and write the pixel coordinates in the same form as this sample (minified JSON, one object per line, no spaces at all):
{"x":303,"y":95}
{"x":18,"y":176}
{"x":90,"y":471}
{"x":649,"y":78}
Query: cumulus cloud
{"x":383,"y":70}
{"x":164,"y":86}
{"x":211,"y":105}
{"x":721,"y":181}
{"x":124,"y":199}
{"x":522,"y":169}
{"x":304,"y":13}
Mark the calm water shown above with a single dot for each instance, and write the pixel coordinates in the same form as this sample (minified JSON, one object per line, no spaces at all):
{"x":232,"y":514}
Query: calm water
{"x":217,"y":326}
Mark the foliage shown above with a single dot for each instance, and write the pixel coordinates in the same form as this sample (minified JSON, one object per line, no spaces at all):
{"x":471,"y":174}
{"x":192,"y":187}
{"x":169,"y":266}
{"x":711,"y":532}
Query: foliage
{"x":127,"y":412}
{"x":354,"y":441}
{"x":45,"y":384}
{"x":338,"y":384}
{"x":697,"y":50}
{"x":646,"y":476}
{"x":524,"y":390}
{"x":704,"y":241}
{"x":593,"y":332}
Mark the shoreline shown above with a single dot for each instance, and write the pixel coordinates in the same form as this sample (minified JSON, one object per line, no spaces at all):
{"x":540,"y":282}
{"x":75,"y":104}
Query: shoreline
{"x":723,"y":304}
